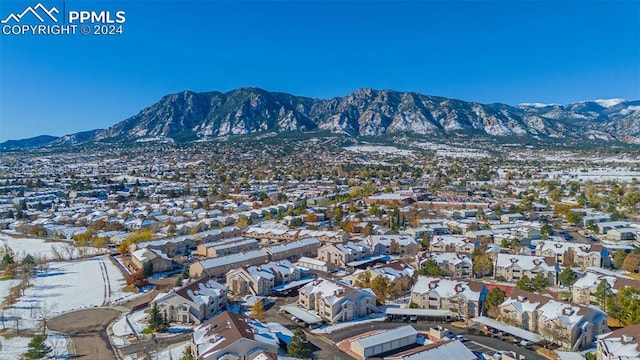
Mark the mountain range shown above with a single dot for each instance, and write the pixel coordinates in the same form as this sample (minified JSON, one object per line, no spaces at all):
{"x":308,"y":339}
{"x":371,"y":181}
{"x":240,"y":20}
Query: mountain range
{"x":189,"y":116}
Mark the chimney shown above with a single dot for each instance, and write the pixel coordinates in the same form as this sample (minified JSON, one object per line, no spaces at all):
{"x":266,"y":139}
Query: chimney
{"x":627,"y":338}
{"x":567,"y":311}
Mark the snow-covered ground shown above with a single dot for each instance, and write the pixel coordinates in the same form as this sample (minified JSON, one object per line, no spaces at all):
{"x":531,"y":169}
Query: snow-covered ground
{"x":73,"y":285}
{"x":40,"y":247}
{"x":14,"y":347}
{"x":173,"y":352}
{"x":35,"y":247}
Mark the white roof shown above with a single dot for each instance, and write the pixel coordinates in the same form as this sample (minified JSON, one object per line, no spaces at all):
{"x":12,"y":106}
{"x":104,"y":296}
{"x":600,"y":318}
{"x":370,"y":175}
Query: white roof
{"x":451,"y":258}
{"x":453,"y":350}
{"x":561,"y":247}
{"x":308,"y":260}
{"x":523,"y":261}
{"x":302,"y":314}
{"x":445,"y":288}
{"x":387,"y":336}
{"x":232,"y":259}
{"x":513,"y":330}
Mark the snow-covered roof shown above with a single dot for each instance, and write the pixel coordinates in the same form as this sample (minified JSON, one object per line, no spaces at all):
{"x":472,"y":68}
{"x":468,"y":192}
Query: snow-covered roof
{"x":387,"y":336}
{"x":524,"y":262}
{"x":446,"y":288}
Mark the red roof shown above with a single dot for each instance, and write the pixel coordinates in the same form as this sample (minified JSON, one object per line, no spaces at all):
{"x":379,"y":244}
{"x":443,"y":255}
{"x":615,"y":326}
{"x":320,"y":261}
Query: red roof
{"x":507,"y":288}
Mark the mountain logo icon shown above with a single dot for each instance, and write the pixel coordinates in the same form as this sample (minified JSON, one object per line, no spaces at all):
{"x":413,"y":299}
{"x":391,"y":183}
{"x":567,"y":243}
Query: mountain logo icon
{"x":39,"y":11}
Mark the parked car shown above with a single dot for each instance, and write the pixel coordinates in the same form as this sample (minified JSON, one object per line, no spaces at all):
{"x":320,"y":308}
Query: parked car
{"x":525,"y":343}
{"x":460,"y":338}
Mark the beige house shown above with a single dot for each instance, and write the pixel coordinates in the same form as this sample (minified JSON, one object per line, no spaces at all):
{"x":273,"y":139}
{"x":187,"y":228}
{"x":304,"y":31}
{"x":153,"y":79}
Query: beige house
{"x":221,"y":265}
{"x":584,"y":255}
{"x":193,"y":303}
{"x":451,"y":243}
{"x":336,"y":301}
{"x":621,"y":344}
{"x":392,"y":244}
{"x":294,"y":249}
{"x":260,"y":280}
{"x":572,"y":327}
{"x":452,"y":264}
{"x":461,"y":297}
{"x":170,"y":246}
{"x":160,"y":261}
{"x":583,"y":291}
{"x":339,"y":255}
{"x":230,"y":336}
{"x":513,"y":267}
{"x":226,"y":247}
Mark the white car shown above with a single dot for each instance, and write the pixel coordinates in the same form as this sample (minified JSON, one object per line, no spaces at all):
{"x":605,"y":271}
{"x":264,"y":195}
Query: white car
{"x":525,"y":343}
{"x":460,"y":338}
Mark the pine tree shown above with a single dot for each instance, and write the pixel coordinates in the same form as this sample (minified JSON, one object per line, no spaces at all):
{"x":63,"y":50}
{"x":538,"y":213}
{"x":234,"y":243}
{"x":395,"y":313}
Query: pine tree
{"x":155,"y":318}
{"x":37,"y":348}
{"x":299,"y":345}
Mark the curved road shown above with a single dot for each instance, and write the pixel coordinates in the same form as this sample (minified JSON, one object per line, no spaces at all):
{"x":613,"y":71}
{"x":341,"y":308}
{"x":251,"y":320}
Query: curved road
{"x":88,"y":332}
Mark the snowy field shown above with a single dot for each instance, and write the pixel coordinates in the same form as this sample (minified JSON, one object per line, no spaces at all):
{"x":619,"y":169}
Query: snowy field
{"x":14,"y":347}
{"x":23,"y":246}
{"x":39,"y":247}
{"x":64,"y":286}
{"x":72,"y":285}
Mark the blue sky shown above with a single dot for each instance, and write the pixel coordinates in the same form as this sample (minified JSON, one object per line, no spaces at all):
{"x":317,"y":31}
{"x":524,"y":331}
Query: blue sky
{"x":497,"y":51}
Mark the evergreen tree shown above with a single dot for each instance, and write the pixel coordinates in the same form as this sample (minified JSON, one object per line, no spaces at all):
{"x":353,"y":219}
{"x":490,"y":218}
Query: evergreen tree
{"x":155,"y":318}
{"x":430,"y":268}
{"x":603,"y":291}
{"x":567,"y":277}
{"x":37,"y":348}
{"x":147,"y":268}
{"x":299,"y":345}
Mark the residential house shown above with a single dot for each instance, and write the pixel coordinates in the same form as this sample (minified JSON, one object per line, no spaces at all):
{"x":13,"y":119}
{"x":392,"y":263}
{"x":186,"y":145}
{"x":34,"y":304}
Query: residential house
{"x":226,"y":247}
{"x":620,"y":344}
{"x":337,"y":301}
{"x":571,"y":326}
{"x":230,"y":336}
{"x":583,"y":291}
{"x":170,"y":246}
{"x":293,"y":249}
{"x":514,"y":267}
{"x":452,"y":264}
{"x":464,"y":298}
{"x":193,"y":303}
{"x":221,"y":265}
{"x":392,"y":244}
{"x":160,"y":262}
{"x":584,"y":255}
{"x":341,"y":254}
{"x":260,"y":280}
{"x":452,"y":243}
{"x":509,"y":218}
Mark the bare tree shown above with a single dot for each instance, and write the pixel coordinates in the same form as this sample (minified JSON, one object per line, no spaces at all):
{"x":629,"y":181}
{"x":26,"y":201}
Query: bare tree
{"x":44,"y":312}
{"x":57,"y":253}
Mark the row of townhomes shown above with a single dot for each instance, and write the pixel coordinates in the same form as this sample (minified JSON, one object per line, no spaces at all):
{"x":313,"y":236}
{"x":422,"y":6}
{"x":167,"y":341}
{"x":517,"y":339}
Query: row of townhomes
{"x":574,"y":327}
